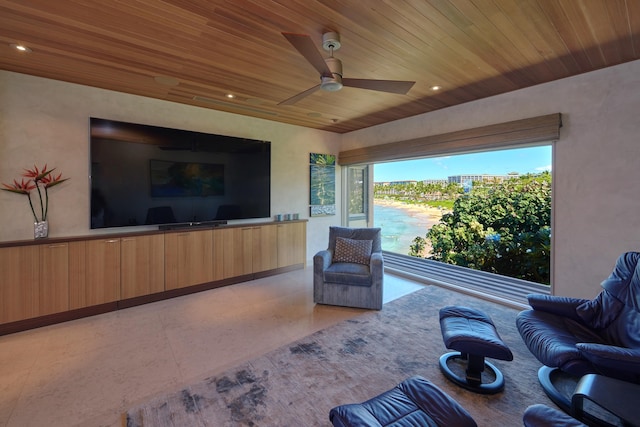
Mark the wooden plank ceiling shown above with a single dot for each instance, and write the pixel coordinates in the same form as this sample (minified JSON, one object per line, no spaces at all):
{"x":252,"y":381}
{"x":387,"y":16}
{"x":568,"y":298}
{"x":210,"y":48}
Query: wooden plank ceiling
{"x":197,"y":51}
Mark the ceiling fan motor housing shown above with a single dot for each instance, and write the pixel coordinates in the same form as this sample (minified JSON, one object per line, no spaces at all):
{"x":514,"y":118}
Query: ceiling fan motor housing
{"x":332,"y":83}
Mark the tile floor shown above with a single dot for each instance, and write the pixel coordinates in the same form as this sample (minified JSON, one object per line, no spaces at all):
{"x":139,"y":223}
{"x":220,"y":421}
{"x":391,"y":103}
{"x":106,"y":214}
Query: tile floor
{"x":88,"y":371}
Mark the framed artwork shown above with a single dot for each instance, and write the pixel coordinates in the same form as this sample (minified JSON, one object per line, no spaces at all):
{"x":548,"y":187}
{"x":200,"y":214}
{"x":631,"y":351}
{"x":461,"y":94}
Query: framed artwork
{"x":322,"y":184}
{"x":182,"y":179}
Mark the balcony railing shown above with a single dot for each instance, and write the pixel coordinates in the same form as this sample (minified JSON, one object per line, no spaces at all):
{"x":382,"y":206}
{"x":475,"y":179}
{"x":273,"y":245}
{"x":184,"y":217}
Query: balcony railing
{"x":494,"y":287}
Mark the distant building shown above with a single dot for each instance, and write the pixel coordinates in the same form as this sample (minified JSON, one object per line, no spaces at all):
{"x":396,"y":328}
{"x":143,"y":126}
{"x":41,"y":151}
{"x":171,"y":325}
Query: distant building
{"x":461,"y":179}
{"x":457,"y":179}
{"x":412,"y":182}
{"x":435,"y":181}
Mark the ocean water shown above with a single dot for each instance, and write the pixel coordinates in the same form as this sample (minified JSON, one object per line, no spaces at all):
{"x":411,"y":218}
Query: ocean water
{"x":399,"y":227}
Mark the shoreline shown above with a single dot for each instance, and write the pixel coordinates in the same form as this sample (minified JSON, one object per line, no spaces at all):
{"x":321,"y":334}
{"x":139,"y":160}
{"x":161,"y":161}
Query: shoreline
{"x":397,"y":230}
{"x":413,"y":210}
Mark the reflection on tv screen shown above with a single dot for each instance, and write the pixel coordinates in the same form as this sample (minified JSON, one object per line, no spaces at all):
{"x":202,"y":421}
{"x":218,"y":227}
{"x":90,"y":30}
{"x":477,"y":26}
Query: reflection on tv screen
{"x":144,"y":174}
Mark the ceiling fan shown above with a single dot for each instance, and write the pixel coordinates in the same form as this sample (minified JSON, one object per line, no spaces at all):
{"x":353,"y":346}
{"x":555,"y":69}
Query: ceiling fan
{"x":330,"y":69}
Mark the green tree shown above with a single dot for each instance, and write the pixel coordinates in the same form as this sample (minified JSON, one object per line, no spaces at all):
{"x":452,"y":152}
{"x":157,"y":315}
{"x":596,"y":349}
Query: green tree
{"x":502,"y":228}
{"x":418,"y":192}
{"x":417,"y":246}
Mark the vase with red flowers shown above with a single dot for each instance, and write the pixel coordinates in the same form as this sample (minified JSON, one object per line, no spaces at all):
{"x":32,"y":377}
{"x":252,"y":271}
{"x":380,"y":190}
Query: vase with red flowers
{"x":40,"y":180}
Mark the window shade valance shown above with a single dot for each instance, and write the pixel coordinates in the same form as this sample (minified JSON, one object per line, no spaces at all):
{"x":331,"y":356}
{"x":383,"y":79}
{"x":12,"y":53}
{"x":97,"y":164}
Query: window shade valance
{"x":502,"y":135}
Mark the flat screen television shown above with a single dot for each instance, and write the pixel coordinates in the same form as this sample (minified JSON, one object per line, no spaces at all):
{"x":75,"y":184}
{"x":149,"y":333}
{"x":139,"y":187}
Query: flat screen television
{"x":148,"y":175}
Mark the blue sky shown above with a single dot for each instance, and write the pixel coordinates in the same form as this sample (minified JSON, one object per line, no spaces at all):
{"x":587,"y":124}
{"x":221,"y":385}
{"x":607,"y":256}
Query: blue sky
{"x":522,"y":160}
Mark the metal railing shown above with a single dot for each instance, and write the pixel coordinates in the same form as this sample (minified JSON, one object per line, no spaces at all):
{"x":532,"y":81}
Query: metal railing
{"x":494,"y":287}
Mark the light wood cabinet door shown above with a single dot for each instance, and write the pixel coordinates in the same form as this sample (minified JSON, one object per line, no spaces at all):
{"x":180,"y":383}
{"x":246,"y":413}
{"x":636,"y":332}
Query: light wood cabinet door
{"x":103,"y":271}
{"x":77,"y":274}
{"x":188,"y":258}
{"x":94,"y":272}
{"x":218,"y":254}
{"x":238,"y":248}
{"x":19,"y":290}
{"x":142,"y":265}
{"x":292,"y":244}
{"x":265,"y":248}
{"x":54,"y":278}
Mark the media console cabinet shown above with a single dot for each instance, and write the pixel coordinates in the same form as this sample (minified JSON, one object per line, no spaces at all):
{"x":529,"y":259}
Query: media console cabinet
{"x":53,"y":280}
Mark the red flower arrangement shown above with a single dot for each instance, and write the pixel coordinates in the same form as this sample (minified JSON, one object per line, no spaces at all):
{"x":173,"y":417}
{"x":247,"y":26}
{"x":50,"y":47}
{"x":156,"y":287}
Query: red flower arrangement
{"x":38,"y":180}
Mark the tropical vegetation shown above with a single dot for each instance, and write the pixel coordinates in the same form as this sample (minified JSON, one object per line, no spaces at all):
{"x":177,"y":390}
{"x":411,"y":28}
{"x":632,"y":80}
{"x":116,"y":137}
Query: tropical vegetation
{"x":417,"y":192}
{"x":502,"y":228}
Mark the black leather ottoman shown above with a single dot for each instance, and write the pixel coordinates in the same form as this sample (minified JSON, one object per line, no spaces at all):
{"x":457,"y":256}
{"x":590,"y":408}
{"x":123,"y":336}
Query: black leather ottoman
{"x":474,"y":336}
{"x":413,"y":402}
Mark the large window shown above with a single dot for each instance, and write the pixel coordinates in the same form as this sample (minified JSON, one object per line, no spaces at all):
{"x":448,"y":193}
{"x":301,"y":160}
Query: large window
{"x":492,"y":239}
{"x":489,"y":211}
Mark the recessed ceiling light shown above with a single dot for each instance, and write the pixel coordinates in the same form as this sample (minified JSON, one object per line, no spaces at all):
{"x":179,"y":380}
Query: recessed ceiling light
{"x":20,"y":47}
{"x":230,"y":95}
{"x":436,"y":88}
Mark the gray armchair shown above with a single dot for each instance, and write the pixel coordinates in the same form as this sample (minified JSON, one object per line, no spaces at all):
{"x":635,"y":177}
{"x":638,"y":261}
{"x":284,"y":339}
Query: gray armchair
{"x":350,"y":271}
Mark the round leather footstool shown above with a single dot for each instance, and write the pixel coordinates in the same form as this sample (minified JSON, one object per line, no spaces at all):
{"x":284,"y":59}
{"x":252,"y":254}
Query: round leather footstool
{"x":474,"y":336}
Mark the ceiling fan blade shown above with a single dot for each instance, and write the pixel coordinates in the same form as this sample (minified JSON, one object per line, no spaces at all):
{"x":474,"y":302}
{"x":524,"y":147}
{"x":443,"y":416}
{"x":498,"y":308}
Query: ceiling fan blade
{"x":391,"y":86}
{"x":298,"y":97}
{"x":305,"y":46}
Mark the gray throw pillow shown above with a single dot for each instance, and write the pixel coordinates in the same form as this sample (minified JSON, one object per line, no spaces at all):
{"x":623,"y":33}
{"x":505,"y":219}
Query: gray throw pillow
{"x":354,"y":251}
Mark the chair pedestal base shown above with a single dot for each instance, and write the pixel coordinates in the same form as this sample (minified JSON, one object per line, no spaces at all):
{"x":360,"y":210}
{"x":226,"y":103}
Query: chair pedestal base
{"x":614,"y":396}
{"x":545,"y":377}
{"x":473,"y":379}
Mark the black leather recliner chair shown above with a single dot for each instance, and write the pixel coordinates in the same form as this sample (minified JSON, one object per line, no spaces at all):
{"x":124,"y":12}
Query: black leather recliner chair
{"x":580,"y":336}
{"x":540,"y":415}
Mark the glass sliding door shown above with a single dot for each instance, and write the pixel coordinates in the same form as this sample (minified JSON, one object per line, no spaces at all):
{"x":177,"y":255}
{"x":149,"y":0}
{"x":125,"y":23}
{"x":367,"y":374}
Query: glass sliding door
{"x":358,"y":201}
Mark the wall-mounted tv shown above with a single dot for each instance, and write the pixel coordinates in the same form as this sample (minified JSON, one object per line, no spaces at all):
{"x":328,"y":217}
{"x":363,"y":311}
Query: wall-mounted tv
{"x":147,"y":175}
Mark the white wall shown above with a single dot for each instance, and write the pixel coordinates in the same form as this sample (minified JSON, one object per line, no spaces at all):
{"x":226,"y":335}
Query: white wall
{"x":596,"y":168}
{"x":46,"y":121}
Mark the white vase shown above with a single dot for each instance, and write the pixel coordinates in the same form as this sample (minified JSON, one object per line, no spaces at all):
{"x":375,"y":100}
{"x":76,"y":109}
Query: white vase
{"x":41,"y":229}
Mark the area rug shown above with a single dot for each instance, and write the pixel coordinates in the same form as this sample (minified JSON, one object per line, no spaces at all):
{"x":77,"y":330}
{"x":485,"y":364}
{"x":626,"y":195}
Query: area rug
{"x":297,"y":384}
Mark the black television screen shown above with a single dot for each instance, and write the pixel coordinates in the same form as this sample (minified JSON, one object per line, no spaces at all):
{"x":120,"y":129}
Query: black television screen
{"x":142,"y":175}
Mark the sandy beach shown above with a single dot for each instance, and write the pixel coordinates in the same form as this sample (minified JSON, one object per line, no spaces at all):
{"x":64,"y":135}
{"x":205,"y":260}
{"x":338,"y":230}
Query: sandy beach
{"x":402,"y":222}
{"x":428,"y":214}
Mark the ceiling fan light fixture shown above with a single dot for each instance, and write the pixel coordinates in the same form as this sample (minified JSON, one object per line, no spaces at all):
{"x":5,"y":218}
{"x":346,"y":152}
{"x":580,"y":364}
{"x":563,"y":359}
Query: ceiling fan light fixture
{"x":331,"y":84}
